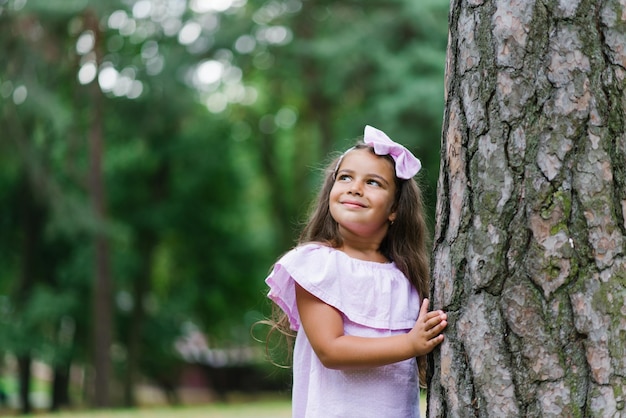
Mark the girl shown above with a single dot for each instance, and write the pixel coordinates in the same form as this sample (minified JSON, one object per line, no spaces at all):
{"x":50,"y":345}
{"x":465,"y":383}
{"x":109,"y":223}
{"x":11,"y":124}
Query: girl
{"x":352,"y":289}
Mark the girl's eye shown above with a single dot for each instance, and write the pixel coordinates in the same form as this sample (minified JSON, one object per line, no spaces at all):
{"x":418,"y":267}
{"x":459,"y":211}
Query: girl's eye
{"x":343,"y":177}
{"x":374,"y":183}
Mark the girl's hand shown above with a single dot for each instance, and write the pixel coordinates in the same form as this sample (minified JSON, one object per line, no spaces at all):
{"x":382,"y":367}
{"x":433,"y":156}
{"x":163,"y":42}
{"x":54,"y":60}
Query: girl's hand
{"x":426,"y":334}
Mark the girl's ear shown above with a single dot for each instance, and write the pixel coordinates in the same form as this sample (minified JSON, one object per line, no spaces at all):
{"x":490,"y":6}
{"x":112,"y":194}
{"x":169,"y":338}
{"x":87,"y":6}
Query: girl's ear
{"x":392,"y":217}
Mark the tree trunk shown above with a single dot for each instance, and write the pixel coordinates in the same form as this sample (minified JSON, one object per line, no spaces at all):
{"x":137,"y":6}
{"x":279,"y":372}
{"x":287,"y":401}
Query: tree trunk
{"x":529,"y":242}
{"x":60,"y":387}
{"x":24,"y":362}
{"x":141,"y":289}
{"x":31,"y":223}
{"x":102,"y":290}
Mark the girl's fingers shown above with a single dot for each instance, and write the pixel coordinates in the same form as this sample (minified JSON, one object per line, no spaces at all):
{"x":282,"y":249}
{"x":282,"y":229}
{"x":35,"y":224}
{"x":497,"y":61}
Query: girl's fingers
{"x":437,"y":327}
{"x":433,"y":322}
{"x":434,"y":319}
{"x":424,"y":307}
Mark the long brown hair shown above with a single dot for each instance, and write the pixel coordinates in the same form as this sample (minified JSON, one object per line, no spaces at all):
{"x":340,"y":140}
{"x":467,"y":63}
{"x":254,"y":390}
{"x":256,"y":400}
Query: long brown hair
{"x":405,"y":243}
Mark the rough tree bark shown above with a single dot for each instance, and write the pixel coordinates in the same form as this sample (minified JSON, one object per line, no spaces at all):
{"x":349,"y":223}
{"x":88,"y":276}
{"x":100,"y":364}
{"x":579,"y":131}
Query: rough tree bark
{"x":529,"y":244}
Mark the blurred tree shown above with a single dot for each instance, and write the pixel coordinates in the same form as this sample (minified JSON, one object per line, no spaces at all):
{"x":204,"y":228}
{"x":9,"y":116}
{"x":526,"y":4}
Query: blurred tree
{"x":529,"y":255}
{"x":206,"y":121}
{"x":25,"y":225}
{"x":103,"y":287}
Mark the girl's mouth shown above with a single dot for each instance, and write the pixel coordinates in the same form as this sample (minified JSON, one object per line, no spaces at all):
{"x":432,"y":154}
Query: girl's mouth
{"x":352,"y":203}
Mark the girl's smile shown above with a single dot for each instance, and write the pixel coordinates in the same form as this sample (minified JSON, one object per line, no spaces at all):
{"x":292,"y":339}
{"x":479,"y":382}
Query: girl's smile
{"x":352,"y":203}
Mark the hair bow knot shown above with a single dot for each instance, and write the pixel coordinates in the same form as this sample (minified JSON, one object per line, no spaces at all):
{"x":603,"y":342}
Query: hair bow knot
{"x":407,"y":165}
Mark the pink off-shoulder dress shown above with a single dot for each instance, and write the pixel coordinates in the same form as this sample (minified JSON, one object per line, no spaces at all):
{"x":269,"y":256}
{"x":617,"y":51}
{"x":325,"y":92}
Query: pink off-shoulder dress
{"x":375,"y":300}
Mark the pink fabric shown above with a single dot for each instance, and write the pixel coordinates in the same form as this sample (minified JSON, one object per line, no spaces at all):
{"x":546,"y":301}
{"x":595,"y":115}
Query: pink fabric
{"x":375,"y":300}
{"x":407,"y":165}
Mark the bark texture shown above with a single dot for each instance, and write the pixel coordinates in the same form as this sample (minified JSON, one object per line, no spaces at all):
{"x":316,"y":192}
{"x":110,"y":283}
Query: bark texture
{"x":529,"y":243}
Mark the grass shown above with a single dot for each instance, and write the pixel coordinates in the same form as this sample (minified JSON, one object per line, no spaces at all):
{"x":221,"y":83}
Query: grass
{"x":255,"y":409}
{"x":261,"y":409}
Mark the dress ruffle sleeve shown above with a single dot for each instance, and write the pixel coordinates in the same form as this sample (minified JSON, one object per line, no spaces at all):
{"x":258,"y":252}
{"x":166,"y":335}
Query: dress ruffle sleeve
{"x":375,"y":295}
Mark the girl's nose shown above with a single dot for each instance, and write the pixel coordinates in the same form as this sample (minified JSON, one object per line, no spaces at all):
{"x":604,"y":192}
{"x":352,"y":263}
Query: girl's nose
{"x":356,"y":188}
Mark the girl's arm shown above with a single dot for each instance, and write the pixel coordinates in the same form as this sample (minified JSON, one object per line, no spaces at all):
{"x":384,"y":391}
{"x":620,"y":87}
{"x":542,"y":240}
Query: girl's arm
{"x":323,"y":326}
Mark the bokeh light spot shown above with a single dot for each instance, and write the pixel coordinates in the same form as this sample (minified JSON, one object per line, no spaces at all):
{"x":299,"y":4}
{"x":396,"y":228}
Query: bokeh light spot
{"x":245,"y":44}
{"x":85,"y":42}
{"x":107,"y":78}
{"x":142,"y":9}
{"x":87,"y":73}
{"x":209,"y":72}
{"x":20,"y":94}
{"x":189,"y":33}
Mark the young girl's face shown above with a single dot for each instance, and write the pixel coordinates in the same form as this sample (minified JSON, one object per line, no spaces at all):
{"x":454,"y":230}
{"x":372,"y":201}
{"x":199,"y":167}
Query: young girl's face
{"x":362,"y":197}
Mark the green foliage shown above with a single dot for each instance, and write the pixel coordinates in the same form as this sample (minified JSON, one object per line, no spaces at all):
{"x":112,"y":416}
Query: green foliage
{"x":56,"y":7}
{"x":40,"y":327}
{"x":206,"y":183}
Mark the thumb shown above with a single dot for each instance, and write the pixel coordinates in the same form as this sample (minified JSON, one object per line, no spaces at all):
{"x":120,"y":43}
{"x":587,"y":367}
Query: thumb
{"x":424,"y":307}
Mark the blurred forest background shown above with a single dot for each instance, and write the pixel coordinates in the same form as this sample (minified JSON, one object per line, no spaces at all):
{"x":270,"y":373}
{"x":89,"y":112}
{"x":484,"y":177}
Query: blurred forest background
{"x":156,"y":157}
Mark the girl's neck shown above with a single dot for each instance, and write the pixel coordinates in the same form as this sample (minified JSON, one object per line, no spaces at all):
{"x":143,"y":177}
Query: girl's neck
{"x":363,"y":251}
{"x":365,"y":248}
